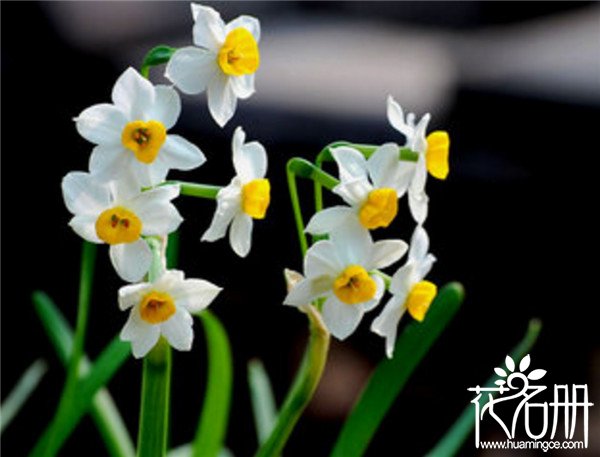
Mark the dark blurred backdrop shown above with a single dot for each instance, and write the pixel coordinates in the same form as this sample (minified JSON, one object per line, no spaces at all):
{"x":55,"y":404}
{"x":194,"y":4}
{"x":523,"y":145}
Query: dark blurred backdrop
{"x":517,"y":85}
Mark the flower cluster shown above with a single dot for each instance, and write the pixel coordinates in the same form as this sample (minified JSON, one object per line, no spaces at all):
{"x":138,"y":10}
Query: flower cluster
{"x":125,"y":201}
{"x":341,"y":273}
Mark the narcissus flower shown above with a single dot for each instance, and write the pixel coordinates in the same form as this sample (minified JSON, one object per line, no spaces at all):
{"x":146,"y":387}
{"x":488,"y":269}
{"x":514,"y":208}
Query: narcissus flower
{"x":410,"y":291}
{"x":371,"y":187}
{"x":247,"y":197}
{"x":340,"y":270}
{"x":433,"y":153}
{"x":223,"y":63}
{"x":163,"y":307}
{"x":131,"y":133}
{"x":120,"y":215}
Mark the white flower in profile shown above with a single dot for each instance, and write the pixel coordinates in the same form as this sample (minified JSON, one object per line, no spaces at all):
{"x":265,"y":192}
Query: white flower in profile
{"x":410,"y":291}
{"x":340,"y":270}
{"x":223,"y":62}
{"x":247,"y":197}
{"x":163,"y":307}
{"x":371,"y":187}
{"x":118,"y":214}
{"x":433,"y":152}
{"x":131,"y":133}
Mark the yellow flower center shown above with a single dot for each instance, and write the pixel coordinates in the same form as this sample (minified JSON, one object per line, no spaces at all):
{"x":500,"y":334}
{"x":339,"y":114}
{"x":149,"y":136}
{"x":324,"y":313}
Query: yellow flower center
{"x":380,"y":209}
{"x":419,"y":299}
{"x":354,"y":285}
{"x":157,"y":307}
{"x":438,"y":149}
{"x":239,"y":54}
{"x":118,"y":225}
{"x":256,"y":196}
{"x":144,"y":139}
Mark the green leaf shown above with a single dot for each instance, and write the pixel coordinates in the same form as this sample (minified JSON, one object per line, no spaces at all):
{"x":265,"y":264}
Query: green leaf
{"x":186,"y":451}
{"x":212,"y":427}
{"x":391,"y":375}
{"x":21,"y":392}
{"x":263,"y":401}
{"x":156,"y":56}
{"x":103,"y":410}
{"x":455,"y":437}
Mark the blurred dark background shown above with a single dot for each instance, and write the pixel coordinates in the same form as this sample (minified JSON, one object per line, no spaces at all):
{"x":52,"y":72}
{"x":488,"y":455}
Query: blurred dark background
{"x":517,"y":85}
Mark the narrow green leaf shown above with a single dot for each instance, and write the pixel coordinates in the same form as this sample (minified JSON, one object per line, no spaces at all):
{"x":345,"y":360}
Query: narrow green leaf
{"x":390,"y":376}
{"x":212,"y":427}
{"x":25,"y":386}
{"x":156,"y":56}
{"x":455,"y":437}
{"x":186,"y":451}
{"x":263,"y":401}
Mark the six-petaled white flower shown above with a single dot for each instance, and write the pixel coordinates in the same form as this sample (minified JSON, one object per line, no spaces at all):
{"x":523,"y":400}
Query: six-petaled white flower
{"x":410,"y":291}
{"x":340,"y":270}
{"x":432,"y":150}
{"x":131,"y":133}
{"x":247,"y":197}
{"x":223,"y":62}
{"x":163,"y":307}
{"x":371,"y":187}
{"x":118,"y":214}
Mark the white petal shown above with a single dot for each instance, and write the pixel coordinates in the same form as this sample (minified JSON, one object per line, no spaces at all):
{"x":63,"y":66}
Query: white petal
{"x":132,"y":294}
{"x":419,"y":206}
{"x":243,"y":86}
{"x":191,"y":69}
{"x":237,"y":141}
{"x":134,"y":94}
{"x":158,"y":215}
{"x":209,"y":28}
{"x":387,"y":252}
{"x":424,"y":267}
{"x":101,"y":124}
{"x":143,"y":336}
{"x":379,"y":291}
{"x":148,"y":175}
{"x":341,"y":319}
{"x":386,"y":324}
{"x":222,"y":102}
{"x":195,"y":294}
{"x":352,"y":164}
{"x":308,"y":290}
{"x":418,"y":142}
{"x":178,"y":330}
{"x":404,"y":279}
{"x":250,"y":161}
{"x":388,"y":171}
{"x":419,"y":244}
{"x":167,"y":106}
{"x":228,"y":205}
{"x":83,"y":194}
{"x":353,"y":244}
{"x":321,"y":260}
{"x":180,"y":154}
{"x":329,"y":219}
{"x":240,"y":234}
{"x":248,"y":22}
{"x":169,"y":280}
{"x":107,"y":162}
{"x":126,"y":187}
{"x":85,"y":226}
{"x":131,"y":260}
{"x":354,"y":192}
{"x":396,"y":118}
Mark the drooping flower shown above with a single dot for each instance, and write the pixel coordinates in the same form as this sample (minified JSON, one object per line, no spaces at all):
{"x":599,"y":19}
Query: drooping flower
{"x":340,"y":270}
{"x":223,"y":62}
{"x":163,"y":307}
{"x":371,"y":187}
{"x":433,"y":153}
{"x":246,"y":197}
{"x":410,"y":291}
{"x":131,"y":133}
{"x":118,"y":214}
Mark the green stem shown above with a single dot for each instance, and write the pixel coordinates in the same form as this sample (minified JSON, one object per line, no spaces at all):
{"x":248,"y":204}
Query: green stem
{"x":196,"y":190}
{"x":88,"y":258}
{"x":305,"y":384}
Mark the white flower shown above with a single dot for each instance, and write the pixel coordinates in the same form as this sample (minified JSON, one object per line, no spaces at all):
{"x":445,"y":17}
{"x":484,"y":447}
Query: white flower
{"x":223,"y":64}
{"x":433,"y":153}
{"x":340,"y":270}
{"x":163,"y":308}
{"x":131,"y":134}
{"x":371,"y":187}
{"x":410,"y":291}
{"x":247,"y":197}
{"x":119,"y":216}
